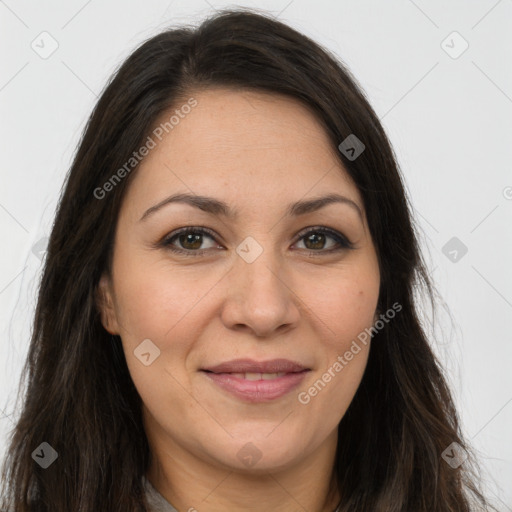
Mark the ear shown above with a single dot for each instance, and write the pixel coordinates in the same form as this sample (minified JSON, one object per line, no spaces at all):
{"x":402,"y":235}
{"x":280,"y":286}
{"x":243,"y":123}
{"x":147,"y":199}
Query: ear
{"x":105,"y":305}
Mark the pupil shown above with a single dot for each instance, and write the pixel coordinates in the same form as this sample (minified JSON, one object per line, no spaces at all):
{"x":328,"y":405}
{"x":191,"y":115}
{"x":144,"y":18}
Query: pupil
{"x":195,"y":240}
{"x":318,"y":244}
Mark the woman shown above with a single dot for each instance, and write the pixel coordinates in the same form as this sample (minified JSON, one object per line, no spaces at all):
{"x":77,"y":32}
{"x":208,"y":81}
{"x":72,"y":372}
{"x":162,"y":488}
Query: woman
{"x":226,"y":319}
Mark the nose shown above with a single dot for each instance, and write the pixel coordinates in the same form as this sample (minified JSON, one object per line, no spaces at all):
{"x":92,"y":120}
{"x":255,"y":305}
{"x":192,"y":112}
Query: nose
{"x":260,"y":297}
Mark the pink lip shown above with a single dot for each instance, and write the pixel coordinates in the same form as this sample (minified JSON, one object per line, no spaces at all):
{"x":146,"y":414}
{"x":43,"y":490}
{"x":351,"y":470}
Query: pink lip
{"x":257,"y":390}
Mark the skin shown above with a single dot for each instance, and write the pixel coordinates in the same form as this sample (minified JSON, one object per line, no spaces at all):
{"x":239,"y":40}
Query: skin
{"x":258,"y":152}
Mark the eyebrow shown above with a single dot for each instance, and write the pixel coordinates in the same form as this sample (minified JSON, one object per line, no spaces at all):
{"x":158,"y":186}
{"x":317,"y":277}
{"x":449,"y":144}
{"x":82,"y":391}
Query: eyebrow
{"x":220,"y":208}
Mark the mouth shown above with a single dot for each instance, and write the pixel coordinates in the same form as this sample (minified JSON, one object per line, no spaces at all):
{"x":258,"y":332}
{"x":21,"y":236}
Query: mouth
{"x":245,"y":366}
{"x":252,"y":375}
{"x":253,"y":381}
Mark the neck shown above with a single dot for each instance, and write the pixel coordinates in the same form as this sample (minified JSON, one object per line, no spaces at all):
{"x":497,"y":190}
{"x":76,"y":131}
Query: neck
{"x":190,"y":483}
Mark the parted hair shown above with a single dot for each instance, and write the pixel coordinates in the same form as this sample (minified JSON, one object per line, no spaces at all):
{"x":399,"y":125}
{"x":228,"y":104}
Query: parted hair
{"x":78,"y":395}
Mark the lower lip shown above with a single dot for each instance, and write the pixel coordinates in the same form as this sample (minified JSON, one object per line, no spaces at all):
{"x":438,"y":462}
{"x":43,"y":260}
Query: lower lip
{"x":257,"y":390}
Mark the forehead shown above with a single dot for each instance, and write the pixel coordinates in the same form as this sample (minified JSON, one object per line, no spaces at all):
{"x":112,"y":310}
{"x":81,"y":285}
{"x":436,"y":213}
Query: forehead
{"x":244,"y":145}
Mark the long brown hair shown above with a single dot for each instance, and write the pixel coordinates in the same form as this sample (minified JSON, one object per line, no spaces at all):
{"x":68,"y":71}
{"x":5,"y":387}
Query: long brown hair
{"x":80,"y":398}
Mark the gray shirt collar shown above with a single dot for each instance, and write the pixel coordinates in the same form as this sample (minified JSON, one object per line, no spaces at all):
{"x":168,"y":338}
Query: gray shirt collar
{"x":155,"y":500}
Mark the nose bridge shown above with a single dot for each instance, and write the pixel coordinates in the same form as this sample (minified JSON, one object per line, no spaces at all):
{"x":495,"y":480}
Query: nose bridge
{"x":258,"y":295}
{"x":258,"y":268}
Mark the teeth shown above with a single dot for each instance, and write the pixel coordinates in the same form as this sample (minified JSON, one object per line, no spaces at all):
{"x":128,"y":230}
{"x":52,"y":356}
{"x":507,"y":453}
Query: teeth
{"x":259,"y":376}
{"x":270,"y":376}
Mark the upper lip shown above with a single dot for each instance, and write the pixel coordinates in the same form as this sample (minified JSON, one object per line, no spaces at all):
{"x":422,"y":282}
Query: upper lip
{"x":251,"y":366}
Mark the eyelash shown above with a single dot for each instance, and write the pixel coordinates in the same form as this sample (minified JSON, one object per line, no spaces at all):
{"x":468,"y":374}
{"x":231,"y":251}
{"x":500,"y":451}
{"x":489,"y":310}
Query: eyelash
{"x":343,"y":242}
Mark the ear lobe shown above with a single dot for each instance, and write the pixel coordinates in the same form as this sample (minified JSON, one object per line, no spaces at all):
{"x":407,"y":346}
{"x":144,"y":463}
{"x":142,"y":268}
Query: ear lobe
{"x":105,"y":305}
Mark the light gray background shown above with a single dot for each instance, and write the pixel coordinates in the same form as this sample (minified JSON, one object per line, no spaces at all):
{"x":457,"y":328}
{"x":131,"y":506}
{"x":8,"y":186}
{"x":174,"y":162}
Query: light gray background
{"x":449,"y":119}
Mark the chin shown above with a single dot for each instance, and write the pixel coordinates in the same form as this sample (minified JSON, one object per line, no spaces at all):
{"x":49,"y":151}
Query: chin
{"x":247,"y":454}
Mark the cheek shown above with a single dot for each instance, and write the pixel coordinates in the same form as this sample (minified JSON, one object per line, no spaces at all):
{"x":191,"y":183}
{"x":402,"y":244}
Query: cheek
{"x":347,"y":307}
{"x":154,"y":298}
{"x":347,"y":310}
{"x":165,"y":305}
{"x":156,"y":304}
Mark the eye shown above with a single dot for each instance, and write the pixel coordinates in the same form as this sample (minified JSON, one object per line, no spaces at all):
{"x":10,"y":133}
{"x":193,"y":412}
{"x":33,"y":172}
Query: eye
{"x":190,"y":240}
{"x":315,"y":239}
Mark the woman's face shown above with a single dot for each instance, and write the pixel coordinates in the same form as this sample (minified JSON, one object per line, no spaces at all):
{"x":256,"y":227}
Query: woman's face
{"x":264,"y":284}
